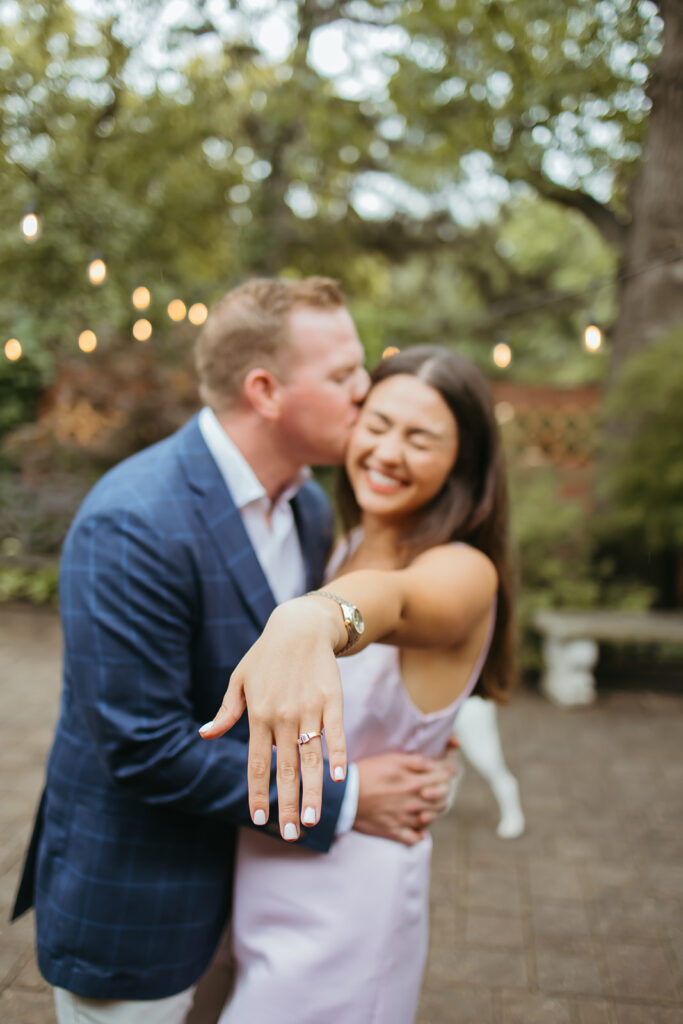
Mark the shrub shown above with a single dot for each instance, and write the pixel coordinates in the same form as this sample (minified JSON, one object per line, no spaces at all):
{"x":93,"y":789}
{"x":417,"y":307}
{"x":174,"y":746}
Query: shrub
{"x":642,"y":483}
{"x":557,"y":561}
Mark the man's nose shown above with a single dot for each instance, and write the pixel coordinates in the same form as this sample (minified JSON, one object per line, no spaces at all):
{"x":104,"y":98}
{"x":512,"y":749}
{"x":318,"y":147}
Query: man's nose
{"x":361,"y":384}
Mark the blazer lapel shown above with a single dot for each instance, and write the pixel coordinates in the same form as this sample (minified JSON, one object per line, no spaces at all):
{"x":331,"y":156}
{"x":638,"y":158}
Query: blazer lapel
{"x":222,"y":520}
{"x":314,"y":535}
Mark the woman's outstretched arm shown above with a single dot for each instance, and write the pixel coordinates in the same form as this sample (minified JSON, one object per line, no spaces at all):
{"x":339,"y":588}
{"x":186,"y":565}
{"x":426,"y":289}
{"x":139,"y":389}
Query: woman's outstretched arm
{"x":289,"y":680}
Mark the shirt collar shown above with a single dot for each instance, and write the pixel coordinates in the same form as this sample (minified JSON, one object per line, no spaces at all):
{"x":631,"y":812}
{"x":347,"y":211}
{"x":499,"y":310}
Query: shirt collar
{"x":240,"y":479}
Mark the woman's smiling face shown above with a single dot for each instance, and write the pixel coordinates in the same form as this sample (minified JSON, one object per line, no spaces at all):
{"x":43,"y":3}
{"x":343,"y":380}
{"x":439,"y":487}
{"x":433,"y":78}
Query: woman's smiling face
{"x":403,"y":447}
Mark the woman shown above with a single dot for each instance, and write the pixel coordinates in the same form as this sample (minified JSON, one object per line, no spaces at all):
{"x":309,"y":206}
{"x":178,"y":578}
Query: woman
{"x":344,"y":937}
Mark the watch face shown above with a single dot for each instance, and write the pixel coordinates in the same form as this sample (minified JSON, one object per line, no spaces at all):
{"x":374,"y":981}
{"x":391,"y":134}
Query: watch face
{"x":357,"y":620}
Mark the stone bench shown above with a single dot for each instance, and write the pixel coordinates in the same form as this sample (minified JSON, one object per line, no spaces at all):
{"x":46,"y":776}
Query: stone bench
{"x":570,"y":645}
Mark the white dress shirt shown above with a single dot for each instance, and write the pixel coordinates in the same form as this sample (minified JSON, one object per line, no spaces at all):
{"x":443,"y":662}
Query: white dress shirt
{"x":272,"y":531}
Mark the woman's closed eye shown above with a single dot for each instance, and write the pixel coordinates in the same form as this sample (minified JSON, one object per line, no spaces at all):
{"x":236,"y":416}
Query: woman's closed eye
{"x":422,"y":440}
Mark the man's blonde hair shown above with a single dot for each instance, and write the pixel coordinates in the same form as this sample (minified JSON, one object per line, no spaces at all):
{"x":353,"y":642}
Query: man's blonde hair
{"x":248,"y":328}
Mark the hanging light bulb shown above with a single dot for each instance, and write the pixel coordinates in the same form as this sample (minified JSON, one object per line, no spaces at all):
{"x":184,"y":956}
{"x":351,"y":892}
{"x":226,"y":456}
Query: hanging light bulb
{"x":504,"y":412}
{"x":30,"y":224}
{"x":13,"y":349}
{"x":197,"y":313}
{"x":97,"y":270}
{"x":142,"y":330}
{"x":389,"y":351}
{"x":141,"y":297}
{"x":592,"y":338}
{"x":177,"y":309}
{"x":502,"y":355}
{"x":87,"y":341}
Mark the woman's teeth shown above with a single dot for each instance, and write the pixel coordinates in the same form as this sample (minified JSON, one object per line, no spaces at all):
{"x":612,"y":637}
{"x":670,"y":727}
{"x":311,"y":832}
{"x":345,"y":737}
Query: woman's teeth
{"x":381,"y":480}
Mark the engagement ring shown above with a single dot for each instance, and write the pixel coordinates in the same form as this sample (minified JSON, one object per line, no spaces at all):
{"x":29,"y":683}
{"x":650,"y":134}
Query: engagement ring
{"x":306,"y":737}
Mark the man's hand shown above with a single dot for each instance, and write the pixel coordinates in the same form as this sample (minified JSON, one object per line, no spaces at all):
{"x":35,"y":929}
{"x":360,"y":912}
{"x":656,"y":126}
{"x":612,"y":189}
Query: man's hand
{"x":400,"y":795}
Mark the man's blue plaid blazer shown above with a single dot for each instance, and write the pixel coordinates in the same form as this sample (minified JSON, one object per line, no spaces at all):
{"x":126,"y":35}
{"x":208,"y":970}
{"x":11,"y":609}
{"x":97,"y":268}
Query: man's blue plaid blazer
{"x":161,"y":594}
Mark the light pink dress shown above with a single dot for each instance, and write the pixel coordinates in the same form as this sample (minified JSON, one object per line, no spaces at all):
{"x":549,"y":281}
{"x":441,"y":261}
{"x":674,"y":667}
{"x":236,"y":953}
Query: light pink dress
{"x":341,"y":937}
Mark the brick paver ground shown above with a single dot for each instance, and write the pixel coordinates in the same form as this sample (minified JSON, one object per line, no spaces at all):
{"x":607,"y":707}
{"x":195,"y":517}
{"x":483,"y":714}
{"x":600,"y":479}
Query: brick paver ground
{"x":577,"y":922}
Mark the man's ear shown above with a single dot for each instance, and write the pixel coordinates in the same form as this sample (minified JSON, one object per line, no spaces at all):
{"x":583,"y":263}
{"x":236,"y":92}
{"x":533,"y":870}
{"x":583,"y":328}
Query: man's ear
{"x":262,"y":390}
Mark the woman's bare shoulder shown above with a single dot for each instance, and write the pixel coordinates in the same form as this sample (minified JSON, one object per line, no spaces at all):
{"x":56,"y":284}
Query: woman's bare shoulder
{"x":459,"y":561}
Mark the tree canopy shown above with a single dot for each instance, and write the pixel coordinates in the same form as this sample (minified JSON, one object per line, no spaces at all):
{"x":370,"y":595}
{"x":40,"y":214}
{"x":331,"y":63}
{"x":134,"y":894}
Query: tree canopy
{"x":458,"y":165}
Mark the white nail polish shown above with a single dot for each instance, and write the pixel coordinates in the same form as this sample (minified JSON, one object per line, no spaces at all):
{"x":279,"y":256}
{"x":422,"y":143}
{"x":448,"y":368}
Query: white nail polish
{"x":290,"y":831}
{"x":259,"y":817}
{"x":206,"y":726}
{"x":338,"y":773}
{"x":309,"y":816}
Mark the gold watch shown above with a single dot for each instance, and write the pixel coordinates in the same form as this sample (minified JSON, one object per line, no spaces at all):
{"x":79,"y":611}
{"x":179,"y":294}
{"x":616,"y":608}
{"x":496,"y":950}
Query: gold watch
{"x":353,"y":620}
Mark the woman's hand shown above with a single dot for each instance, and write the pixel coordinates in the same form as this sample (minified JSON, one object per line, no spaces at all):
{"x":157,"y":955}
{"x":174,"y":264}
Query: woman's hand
{"x":290,"y":685}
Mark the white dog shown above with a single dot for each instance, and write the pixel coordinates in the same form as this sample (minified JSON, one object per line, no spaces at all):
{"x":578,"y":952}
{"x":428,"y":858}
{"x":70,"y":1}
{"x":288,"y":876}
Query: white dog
{"x":476,"y":730}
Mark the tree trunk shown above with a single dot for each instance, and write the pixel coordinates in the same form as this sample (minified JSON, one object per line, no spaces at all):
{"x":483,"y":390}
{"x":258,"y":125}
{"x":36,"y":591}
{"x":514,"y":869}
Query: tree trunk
{"x":651,"y":289}
{"x":651,"y":293}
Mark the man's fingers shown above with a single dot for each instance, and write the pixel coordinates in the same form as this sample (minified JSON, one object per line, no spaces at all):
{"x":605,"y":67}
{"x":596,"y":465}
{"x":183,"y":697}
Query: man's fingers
{"x":410,"y":836}
{"x":336,"y":741}
{"x":230,"y":712}
{"x":416,"y":763}
{"x":439,"y":773}
{"x":311,"y":756}
{"x":258,"y":773}
{"x":436,"y":794}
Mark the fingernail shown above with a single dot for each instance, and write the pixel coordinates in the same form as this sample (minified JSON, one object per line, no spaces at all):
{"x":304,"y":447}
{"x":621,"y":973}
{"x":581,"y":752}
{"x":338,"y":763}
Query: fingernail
{"x":338,"y":773}
{"x":290,"y":831}
{"x":206,"y":726}
{"x":309,"y":816}
{"x":259,"y":817}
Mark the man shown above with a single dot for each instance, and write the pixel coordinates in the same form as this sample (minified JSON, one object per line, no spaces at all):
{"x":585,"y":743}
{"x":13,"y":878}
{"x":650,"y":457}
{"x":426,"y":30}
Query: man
{"x":169,"y":572}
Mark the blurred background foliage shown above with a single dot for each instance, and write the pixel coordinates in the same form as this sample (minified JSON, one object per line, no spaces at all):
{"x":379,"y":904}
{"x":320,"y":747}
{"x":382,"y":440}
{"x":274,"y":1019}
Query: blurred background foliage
{"x":641,"y":490}
{"x":471,"y":171}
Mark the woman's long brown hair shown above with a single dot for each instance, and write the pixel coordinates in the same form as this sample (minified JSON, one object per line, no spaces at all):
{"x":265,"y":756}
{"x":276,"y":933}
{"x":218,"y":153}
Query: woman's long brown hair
{"x":472,"y":504}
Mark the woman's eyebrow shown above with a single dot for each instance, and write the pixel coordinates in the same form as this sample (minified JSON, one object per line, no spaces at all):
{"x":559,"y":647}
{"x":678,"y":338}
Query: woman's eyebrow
{"x":376,"y":412}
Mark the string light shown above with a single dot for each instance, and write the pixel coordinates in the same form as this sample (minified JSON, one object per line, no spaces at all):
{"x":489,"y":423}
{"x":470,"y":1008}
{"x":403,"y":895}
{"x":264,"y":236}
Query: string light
{"x":592,"y":338}
{"x":141,"y":297}
{"x":87,"y":341}
{"x":390,"y":350}
{"x":504,"y":412}
{"x":177,"y":309}
{"x":30,"y":225}
{"x":197,"y":313}
{"x":502,"y":355}
{"x":142,"y":330}
{"x":97,"y":270}
{"x":13,"y":349}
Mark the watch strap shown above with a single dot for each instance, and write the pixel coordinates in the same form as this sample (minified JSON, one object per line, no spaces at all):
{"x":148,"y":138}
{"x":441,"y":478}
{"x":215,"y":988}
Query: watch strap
{"x":346,"y":608}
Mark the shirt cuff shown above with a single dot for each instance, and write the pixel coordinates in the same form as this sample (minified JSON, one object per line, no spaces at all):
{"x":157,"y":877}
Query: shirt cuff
{"x":349,"y":804}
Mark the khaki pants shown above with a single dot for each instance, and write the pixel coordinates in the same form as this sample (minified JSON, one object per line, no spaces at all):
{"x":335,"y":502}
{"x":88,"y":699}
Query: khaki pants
{"x":201,"y":1004}
{"x":72,"y":1009}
